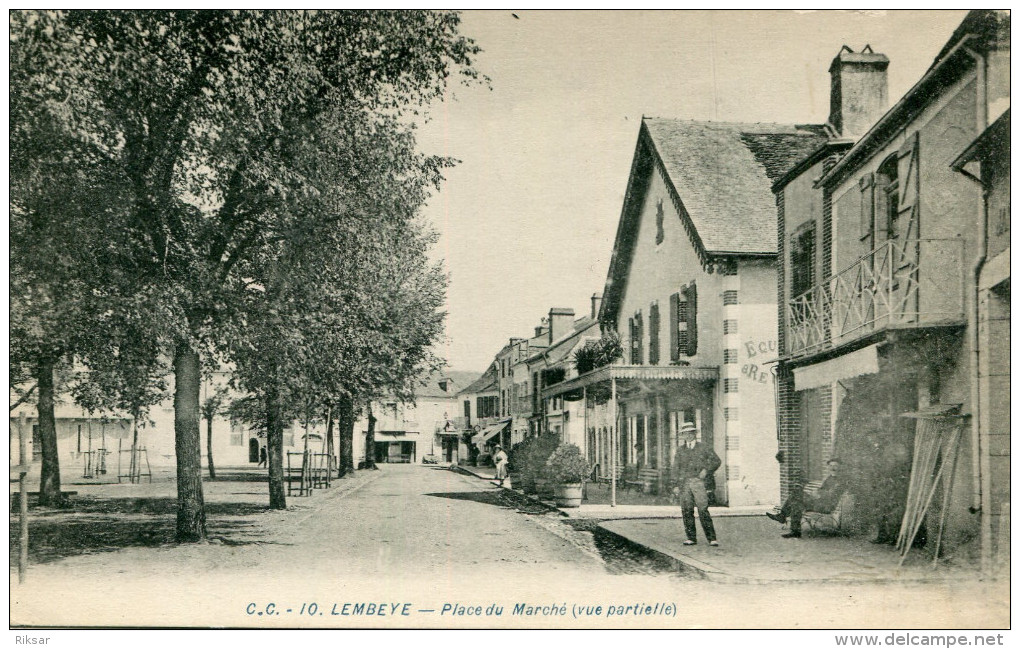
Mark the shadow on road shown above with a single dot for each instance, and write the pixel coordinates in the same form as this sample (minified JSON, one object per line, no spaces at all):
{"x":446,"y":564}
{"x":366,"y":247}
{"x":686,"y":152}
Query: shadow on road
{"x":499,"y":498}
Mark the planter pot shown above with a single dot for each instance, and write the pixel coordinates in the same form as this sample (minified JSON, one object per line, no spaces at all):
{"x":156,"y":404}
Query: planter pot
{"x":544,"y":487}
{"x":516,"y":480}
{"x":568,"y":495}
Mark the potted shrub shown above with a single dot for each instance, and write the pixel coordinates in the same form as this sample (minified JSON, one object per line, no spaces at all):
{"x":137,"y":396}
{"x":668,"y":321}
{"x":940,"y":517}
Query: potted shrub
{"x":542,"y":447}
{"x":516,"y":464}
{"x":567,"y":469}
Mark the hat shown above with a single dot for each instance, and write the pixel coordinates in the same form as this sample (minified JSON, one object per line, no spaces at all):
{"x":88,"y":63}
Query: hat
{"x":688,"y":428}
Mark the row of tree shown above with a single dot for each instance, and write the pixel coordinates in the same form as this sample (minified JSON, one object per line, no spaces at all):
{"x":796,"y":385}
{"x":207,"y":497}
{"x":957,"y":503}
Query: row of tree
{"x":199,"y":189}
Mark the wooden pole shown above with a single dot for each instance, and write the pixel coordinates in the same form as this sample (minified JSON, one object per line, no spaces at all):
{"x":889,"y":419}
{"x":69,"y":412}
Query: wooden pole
{"x":22,"y":500}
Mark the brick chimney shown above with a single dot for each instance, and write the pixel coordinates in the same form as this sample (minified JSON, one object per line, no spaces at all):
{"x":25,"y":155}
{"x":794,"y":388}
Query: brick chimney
{"x":560,"y":322}
{"x":596,"y":304}
{"x":859,"y":93}
{"x":539,"y":330}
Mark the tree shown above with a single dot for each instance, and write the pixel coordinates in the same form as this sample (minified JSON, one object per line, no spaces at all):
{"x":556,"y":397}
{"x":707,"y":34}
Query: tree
{"x":194,"y":109}
{"x":212,"y":405}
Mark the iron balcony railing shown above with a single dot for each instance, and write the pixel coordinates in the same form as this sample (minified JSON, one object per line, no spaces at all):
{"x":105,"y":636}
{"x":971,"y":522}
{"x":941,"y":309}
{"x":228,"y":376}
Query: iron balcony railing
{"x":900,"y":284}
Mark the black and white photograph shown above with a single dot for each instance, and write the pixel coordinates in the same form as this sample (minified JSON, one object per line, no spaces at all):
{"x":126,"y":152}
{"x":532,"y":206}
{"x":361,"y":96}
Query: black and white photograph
{"x":510,"y":319}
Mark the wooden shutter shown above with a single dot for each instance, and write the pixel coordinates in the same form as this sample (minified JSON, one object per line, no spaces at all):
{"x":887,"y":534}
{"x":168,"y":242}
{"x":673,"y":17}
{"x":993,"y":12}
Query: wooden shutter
{"x":910,"y":186}
{"x":630,"y":339}
{"x":692,"y":319}
{"x":653,"y":334}
{"x":867,"y":224}
{"x":674,"y":343}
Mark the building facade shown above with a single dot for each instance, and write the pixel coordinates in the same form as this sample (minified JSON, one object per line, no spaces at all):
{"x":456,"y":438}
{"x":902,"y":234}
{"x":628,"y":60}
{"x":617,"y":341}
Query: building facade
{"x":878,"y":324}
{"x":691,"y":293}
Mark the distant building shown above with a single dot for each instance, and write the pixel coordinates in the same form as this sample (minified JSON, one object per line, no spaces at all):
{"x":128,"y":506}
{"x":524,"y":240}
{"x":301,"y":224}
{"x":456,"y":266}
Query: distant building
{"x":879,"y":315}
{"x":404,"y":432}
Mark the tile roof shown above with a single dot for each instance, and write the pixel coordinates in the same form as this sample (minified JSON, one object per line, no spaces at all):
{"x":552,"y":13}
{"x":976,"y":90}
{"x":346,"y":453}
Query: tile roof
{"x":483,"y":383}
{"x":428,"y":387}
{"x":723,"y":174}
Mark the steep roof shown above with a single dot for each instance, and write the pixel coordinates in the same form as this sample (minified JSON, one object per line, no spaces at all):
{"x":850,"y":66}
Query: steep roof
{"x":719,"y":176}
{"x":723,"y":174}
{"x":562,"y":347}
{"x":428,"y":387}
{"x":484,"y":383}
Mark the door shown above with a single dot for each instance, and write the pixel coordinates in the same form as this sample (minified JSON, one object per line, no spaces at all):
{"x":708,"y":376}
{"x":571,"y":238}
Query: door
{"x":815,"y":432}
{"x":253,"y":450}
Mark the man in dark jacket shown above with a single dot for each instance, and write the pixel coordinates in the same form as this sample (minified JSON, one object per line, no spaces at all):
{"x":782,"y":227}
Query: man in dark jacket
{"x":694,"y":461}
{"x":825,"y":500}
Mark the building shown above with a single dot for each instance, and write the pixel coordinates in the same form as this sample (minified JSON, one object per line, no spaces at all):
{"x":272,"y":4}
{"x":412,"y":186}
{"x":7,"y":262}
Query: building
{"x":405,"y":432}
{"x":877,"y":244}
{"x":989,"y":153}
{"x":563,"y":415}
{"x":480,"y":402}
{"x":691,"y":291}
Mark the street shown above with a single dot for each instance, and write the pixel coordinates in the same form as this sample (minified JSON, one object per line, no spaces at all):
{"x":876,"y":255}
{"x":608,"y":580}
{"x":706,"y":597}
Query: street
{"x":428,"y":547}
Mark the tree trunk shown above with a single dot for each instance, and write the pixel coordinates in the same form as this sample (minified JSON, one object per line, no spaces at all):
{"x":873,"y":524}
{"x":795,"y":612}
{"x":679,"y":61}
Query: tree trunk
{"x":370,"y":439}
{"x":49,"y":481}
{"x":274,"y":442}
{"x":330,"y":446}
{"x":346,"y":435}
{"x":208,"y":447}
{"x":188,"y":445}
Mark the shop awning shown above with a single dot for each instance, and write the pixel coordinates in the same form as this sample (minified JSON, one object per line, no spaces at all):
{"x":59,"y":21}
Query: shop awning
{"x":649,"y":373}
{"x":848,"y":366}
{"x":488,"y":433}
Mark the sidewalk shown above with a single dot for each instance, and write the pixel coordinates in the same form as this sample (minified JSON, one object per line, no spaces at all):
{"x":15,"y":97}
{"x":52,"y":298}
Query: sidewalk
{"x":752,"y":550}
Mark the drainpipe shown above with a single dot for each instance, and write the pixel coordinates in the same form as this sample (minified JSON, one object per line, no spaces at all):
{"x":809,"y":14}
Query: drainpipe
{"x":979,"y":447}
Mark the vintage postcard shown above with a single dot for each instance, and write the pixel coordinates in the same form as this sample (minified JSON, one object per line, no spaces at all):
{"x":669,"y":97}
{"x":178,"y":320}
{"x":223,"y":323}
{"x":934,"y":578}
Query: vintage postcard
{"x":328,"y":319}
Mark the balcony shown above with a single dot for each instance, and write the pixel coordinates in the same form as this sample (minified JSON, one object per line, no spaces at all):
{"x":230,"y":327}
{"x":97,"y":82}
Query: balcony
{"x":900,"y":285}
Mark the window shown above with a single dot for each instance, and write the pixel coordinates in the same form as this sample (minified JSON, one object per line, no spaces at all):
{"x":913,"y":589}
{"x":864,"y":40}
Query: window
{"x":653,"y":334}
{"x":731,"y":414}
{"x":886,"y":209}
{"x":730,"y":385}
{"x":733,"y":443}
{"x":729,"y":298}
{"x":288,"y":436}
{"x":729,"y":357}
{"x":467,"y":409}
{"x":236,"y":433}
{"x":636,"y":333}
{"x":802,"y":259}
{"x":660,"y":235}
{"x":729,"y":326}
{"x":683,"y":330}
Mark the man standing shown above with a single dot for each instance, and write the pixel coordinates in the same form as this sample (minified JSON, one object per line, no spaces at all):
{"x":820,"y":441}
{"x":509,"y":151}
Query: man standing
{"x":694,"y":461}
{"x":824,"y":501}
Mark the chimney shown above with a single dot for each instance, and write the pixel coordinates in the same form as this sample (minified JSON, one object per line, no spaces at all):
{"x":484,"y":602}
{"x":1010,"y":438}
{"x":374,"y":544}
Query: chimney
{"x":560,"y":321}
{"x":596,"y":304}
{"x":859,"y":92}
{"x":539,"y":330}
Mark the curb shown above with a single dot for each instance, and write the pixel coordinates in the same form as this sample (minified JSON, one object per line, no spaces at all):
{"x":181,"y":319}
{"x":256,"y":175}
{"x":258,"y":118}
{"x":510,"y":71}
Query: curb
{"x":686,"y":565}
{"x":517,"y":494}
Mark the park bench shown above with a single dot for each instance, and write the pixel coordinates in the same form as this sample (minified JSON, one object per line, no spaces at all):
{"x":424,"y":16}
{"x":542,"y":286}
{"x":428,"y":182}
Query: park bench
{"x":835,"y":521}
{"x":647,"y":480}
{"x":607,"y":478}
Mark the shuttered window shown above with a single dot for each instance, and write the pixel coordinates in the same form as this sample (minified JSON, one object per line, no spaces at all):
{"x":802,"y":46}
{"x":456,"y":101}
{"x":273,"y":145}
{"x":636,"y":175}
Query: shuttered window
{"x":683,"y":323}
{"x":653,"y":334}
{"x":636,"y":334}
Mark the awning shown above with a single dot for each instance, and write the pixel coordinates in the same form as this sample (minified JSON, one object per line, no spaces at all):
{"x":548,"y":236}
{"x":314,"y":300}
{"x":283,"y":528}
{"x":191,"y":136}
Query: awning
{"x":633,"y":373}
{"x":858,"y":363}
{"x":449,"y":433}
{"x":488,"y":433}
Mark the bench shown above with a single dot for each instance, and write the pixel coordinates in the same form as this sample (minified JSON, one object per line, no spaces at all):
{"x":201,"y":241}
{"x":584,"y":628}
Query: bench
{"x":607,"y":478}
{"x":835,"y":521}
{"x":645,"y":479}
{"x":648,"y":480}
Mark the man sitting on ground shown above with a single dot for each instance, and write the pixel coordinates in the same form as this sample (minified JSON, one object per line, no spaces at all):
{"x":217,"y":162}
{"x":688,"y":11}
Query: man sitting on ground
{"x":824,"y":501}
